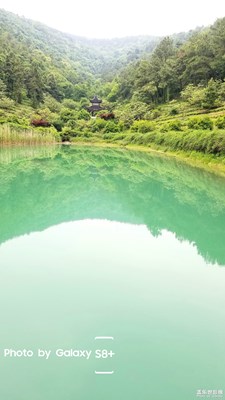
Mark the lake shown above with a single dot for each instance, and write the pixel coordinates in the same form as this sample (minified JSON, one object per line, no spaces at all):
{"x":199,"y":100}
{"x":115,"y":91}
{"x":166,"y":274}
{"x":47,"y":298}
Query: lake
{"x":112,"y":276}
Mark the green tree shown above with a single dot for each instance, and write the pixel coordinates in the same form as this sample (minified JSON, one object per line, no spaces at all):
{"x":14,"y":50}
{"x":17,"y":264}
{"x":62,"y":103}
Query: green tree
{"x":211,"y":97}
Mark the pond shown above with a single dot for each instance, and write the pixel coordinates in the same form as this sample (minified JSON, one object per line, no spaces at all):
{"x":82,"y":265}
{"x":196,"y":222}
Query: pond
{"x":112,"y":276}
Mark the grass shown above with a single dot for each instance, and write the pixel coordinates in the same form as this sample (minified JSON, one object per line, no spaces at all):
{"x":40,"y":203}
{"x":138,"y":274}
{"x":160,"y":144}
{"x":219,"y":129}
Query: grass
{"x":12,"y":136}
{"x":201,"y":148}
{"x":192,"y":134}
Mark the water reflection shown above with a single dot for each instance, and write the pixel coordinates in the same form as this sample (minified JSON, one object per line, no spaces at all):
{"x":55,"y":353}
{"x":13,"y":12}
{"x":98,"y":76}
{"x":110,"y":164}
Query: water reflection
{"x":110,"y":242}
{"x":44,"y":187}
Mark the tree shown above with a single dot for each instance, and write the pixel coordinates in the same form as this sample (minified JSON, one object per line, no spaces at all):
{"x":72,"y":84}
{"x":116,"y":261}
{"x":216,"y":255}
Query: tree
{"x":34,"y":83}
{"x":211,"y":96}
{"x":2,"y":89}
{"x":194,"y":95}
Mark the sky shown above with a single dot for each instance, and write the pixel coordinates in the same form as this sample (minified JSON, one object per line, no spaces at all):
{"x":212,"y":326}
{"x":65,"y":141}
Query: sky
{"x":119,"y":18}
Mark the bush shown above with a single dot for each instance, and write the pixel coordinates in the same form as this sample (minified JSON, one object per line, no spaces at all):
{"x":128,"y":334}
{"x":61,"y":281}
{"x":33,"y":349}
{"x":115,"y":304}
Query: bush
{"x":83,"y":114}
{"x":40,"y":122}
{"x":200,"y":123}
{"x":175,"y":125}
{"x":143,"y":126}
{"x":164,"y":127}
{"x":58,"y":124}
{"x":86,"y":134}
{"x":69,"y":103}
{"x":108,"y":136}
{"x":52,"y":104}
{"x":155,"y":114}
{"x":111,"y":127}
{"x":121,"y":126}
{"x":174,"y":111}
{"x":194,"y":95}
{"x":117,"y":136}
{"x":66,"y":114}
{"x":6,"y":103}
{"x":67,"y":133}
{"x":220,"y":122}
{"x":98,"y":125}
{"x":211,"y":94}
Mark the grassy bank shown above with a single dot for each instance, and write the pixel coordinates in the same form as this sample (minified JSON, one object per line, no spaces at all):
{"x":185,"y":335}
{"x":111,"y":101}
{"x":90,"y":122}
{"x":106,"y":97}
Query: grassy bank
{"x":198,"y":149}
{"x":198,"y":139}
{"x":15,"y":136}
{"x":209,"y":161}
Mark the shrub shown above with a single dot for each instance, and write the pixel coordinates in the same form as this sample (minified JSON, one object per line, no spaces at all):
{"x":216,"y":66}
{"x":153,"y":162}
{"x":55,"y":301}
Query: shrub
{"x":52,"y":104}
{"x":66,"y":114}
{"x":117,"y":136}
{"x":220,"y":122}
{"x":98,"y":125}
{"x":69,"y":103}
{"x":6,"y":103}
{"x":175,"y":125}
{"x":83,"y":114}
{"x":194,"y":95}
{"x":109,"y":136}
{"x":211,"y":94}
{"x":174,"y":111}
{"x":67,"y":133}
{"x":40,"y":122}
{"x":121,"y":126}
{"x":200,"y":123}
{"x":58,"y":124}
{"x":86,"y":134}
{"x":142,"y":126}
{"x":107,"y":116}
{"x":164,"y":127}
{"x":111,"y":127}
{"x":155,"y":114}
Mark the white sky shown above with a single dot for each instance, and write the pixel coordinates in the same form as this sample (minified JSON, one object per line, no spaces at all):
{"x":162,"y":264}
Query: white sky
{"x":117,"y":18}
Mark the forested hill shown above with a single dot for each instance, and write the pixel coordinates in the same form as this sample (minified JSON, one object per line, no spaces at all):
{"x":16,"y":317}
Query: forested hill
{"x":50,"y":75}
{"x":174,"y":66}
{"x":96,"y":55}
{"x":36,"y":59}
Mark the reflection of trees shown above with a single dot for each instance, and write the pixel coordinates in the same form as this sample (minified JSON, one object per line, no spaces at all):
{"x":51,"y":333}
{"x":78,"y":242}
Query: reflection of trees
{"x":43,"y":189}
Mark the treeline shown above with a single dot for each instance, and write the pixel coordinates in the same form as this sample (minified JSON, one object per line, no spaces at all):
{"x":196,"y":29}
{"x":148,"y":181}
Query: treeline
{"x":173,"y":66}
{"x":29,"y":68}
{"x":49,"y":76}
{"x":36,"y":60}
{"x":29,"y":74}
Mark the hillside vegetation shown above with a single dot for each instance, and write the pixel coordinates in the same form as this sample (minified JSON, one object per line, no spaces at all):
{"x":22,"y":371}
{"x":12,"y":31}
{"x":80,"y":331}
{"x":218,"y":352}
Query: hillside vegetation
{"x":160,"y":90}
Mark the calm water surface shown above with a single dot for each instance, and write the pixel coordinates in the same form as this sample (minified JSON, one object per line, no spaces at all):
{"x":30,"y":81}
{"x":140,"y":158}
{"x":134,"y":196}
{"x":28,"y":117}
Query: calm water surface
{"x":105,"y":242}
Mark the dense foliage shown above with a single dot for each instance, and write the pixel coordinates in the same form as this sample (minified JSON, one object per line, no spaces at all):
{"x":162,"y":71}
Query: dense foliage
{"x":174,"y":67}
{"x":156,"y":88}
{"x":36,"y":60}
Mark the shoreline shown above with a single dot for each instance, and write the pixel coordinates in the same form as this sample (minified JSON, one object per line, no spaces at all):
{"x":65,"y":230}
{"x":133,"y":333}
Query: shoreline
{"x":195,"y":159}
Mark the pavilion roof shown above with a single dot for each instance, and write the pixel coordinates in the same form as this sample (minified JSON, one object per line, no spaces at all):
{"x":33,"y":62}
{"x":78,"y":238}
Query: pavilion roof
{"x":95,"y":100}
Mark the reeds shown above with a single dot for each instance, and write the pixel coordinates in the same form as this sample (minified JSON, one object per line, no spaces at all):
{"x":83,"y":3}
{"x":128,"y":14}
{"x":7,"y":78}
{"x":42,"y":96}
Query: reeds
{"x":9,"y":135}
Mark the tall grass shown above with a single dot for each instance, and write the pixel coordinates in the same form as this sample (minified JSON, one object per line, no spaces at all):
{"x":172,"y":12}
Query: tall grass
{"x":9,"y":135}
{"x":207,"y":142}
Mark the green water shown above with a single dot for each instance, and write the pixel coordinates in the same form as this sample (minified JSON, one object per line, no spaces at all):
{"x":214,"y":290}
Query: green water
{"x":104,"y":242}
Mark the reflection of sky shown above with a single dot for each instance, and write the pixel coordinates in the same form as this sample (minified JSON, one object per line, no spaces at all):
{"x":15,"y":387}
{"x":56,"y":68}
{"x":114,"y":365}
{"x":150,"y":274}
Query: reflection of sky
{"x":101,"y":241}
{"x":93,"y":255}
{"x":106,"y":244}
{"x":156,"y":295}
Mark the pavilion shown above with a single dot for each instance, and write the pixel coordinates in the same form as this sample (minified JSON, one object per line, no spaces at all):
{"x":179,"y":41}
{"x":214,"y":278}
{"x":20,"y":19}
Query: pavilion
{"x":95,"y":106}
